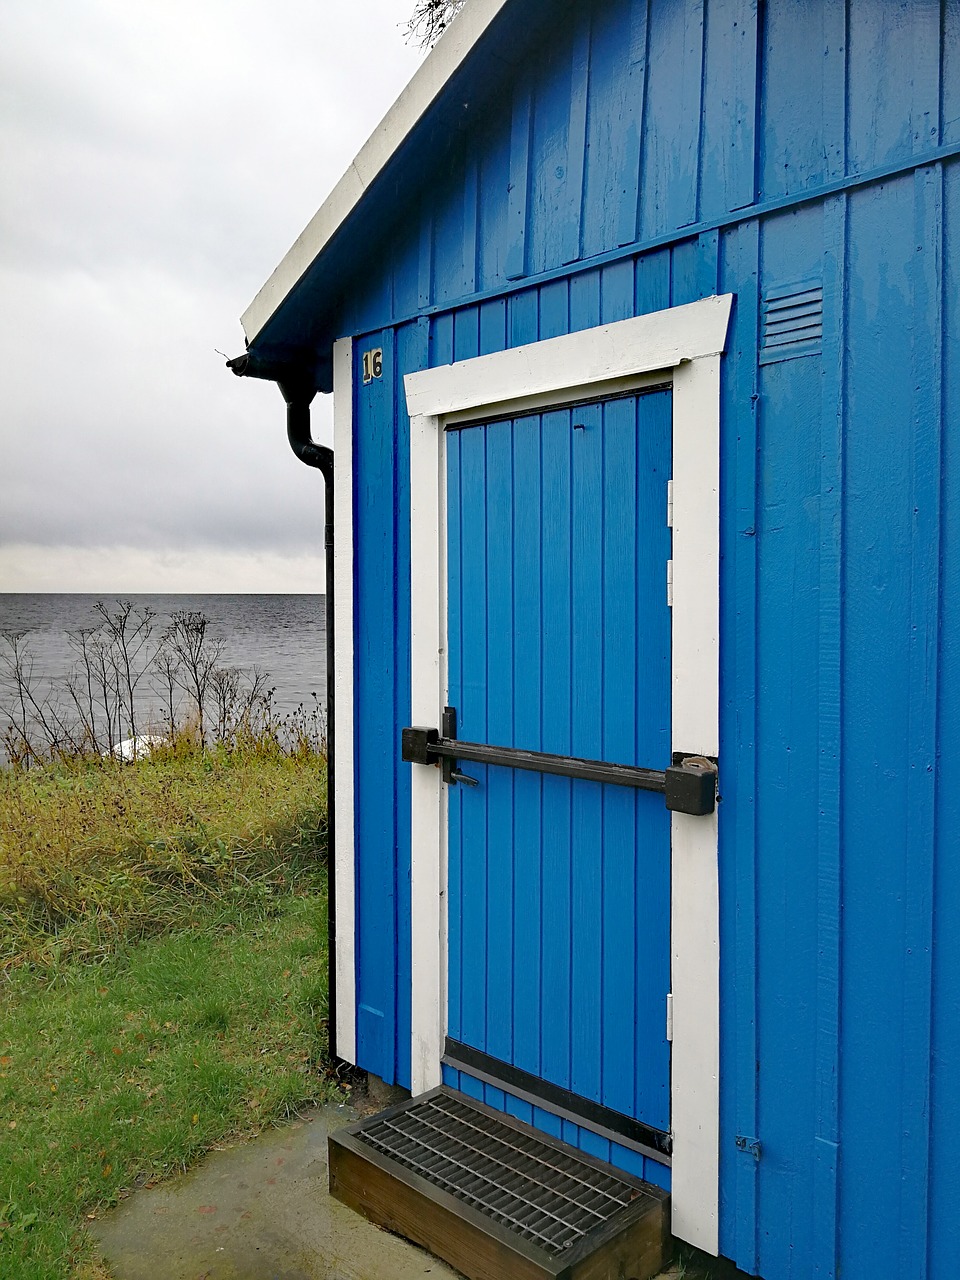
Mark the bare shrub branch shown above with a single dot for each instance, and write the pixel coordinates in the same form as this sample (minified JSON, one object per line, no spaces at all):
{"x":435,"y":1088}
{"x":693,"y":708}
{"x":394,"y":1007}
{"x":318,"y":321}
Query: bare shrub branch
{"x":430,"y":19}
{"x":89,"y":711}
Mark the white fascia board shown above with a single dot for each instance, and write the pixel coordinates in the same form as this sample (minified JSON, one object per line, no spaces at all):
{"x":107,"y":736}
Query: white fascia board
{"x":438,"y":68}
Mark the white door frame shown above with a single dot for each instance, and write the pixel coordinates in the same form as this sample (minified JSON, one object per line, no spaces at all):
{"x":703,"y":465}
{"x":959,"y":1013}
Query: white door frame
{"x":683,"y":345}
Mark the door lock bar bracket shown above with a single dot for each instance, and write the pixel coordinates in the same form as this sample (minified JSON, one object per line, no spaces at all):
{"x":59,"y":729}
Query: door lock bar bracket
{"x":688,"y":785}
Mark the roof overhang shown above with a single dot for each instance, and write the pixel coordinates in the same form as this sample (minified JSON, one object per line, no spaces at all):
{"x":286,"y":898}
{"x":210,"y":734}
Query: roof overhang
{"x":428,"y":86}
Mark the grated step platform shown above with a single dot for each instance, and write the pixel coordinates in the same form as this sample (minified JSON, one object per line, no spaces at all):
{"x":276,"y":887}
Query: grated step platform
{"x":496,"y":1198}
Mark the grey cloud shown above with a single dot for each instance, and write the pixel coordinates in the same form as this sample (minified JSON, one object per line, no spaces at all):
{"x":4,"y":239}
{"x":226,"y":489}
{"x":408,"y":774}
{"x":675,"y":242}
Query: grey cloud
{"x":158,"y":163}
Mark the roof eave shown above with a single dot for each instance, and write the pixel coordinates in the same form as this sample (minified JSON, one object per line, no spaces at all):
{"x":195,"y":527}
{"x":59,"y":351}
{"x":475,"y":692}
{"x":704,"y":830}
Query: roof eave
{"x":438,"y":68}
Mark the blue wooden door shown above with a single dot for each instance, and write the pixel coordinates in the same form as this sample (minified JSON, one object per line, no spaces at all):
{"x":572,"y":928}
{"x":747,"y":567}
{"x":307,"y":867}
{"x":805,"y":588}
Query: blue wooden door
{"x":559,"y":641}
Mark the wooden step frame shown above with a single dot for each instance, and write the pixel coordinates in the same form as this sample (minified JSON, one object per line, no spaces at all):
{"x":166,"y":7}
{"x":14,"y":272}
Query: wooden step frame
{"x":634,"y":1244}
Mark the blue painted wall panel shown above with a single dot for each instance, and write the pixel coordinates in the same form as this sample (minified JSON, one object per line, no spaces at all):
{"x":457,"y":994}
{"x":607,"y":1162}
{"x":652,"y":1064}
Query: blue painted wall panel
{"x":612,"y":86}
{"x":840,"y":683}
{"x":670,"y":158}
{"x":893,"y":90}
{"x":738,"y":700}
{"x":412,"y":346}
{"x":878,"y":532}
{"x":787,"y":536}
{"x":944,"y":1101}
{"x":803,"y":96}
{"x":728,"y":157}
{"x":950,"y":74}
{"x":555,"y":197}
{"x":376,"y":675}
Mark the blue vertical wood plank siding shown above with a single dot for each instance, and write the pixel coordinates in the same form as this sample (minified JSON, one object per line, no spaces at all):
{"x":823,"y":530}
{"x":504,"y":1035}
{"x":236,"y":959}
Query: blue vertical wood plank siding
{"x":428,"y":239}
{"x":738,"y":901}
{"x":376,"y":683}
{"x":502,"y":850}
{"x":802,"y":87}
{"x":616,"y":293}
{"x":742,"y":100}
{"x":555,"y":208}
{"x":523,"y":317}
{"x":611,"y":470}
{"x":830,"y":844}
{"x":572,"y":200}
{"x":584,"y":300}
{"x":455,"y":677}
{"x":670,"y":163}
{"x":528,"y":922}
{"x":950,"y":74}
{"x":555,"y":556}
{"x":788,"y":536}
{"x":405,"y":274}
{"x":634,"y":76}
{"x":614,"y":118}
{"x":922,"y":673}
{"x":412,"y":348}
{"x":494,"y":165}
{"x":652,"y":282}
{"x":586,"y":608}
{"x":444,"y":257}
{"x":944,"y":1236}
{"x":894,"y":88}
{"x":840,"y":590}
{"x":619,"y":614}
{"x":472,"y":704}
{"x":492,"y":326}
{"x":652,"y":741}
{"x":515,"y":264}
{"x":554,"y":309}
{"x":878,"y":533}
{"x":728,"y":142}
{"x":694,"y":269}
{"x":469,"y":239}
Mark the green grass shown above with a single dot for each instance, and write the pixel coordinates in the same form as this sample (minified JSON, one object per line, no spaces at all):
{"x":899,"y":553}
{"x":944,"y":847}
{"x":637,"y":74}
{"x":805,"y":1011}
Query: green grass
{"x":163,"y":984}
{"x":126,"y":1071}
{"x":94,"y":854}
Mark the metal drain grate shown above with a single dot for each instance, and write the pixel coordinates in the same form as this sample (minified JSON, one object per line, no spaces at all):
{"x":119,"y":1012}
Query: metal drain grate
{"x":544,"y":1195}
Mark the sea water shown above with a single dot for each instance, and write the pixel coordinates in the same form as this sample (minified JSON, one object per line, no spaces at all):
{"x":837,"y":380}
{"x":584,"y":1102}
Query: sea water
{"x":282,"y":635}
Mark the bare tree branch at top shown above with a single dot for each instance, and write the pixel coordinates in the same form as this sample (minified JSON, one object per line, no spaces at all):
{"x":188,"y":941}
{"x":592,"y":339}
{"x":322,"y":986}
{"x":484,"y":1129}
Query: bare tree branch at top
{"x":430,"y":19}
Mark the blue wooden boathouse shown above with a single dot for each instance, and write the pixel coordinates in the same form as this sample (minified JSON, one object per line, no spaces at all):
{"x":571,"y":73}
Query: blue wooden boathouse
{"x":642,"y":324}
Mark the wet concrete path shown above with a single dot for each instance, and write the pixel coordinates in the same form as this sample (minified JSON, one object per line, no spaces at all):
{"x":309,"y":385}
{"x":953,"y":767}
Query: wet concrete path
{"x":261,"y":1211}
{"x":258,"y":1211}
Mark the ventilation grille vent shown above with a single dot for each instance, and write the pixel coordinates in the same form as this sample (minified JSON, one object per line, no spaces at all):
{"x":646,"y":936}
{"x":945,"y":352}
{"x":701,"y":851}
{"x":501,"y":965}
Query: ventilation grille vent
{"x":792,"y":322}
{"x":544,"y":1195}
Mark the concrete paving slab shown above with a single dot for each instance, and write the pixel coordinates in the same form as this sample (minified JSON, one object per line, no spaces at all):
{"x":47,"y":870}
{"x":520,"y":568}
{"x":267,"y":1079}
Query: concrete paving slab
{"x":257,"y":1211}
{"x":261,"y":1211}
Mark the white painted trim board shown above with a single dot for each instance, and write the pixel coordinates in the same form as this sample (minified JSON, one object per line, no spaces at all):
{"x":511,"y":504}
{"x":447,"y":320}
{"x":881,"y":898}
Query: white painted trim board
{"x":685,"y":343}
{"x":344,"y":866}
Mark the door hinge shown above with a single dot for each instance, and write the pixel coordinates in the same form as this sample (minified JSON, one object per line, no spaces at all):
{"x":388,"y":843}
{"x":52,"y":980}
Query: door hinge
{"x":669,"y":504}
{"x":670,"y":583}
{"x":669,"y":1017}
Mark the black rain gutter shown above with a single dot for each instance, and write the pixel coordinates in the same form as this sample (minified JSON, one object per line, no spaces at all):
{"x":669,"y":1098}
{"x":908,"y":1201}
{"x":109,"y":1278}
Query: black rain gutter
{"x":298,"y":390}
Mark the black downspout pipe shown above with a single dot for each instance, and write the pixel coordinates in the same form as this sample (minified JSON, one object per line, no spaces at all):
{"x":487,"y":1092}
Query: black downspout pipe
{"x":298,"y":395}
{"x":319,"y":456}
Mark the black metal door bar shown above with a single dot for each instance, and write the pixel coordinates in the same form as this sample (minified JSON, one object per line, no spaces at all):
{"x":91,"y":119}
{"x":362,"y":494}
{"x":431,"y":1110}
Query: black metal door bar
{"x":689,"y":785}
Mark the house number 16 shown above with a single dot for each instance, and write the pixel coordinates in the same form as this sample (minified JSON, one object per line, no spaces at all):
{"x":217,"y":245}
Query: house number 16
{"x":372,"y":364}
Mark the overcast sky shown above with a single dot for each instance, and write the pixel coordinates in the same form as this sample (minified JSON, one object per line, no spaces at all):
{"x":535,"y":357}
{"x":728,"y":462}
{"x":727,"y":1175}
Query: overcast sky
{"x":157,"y":162}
